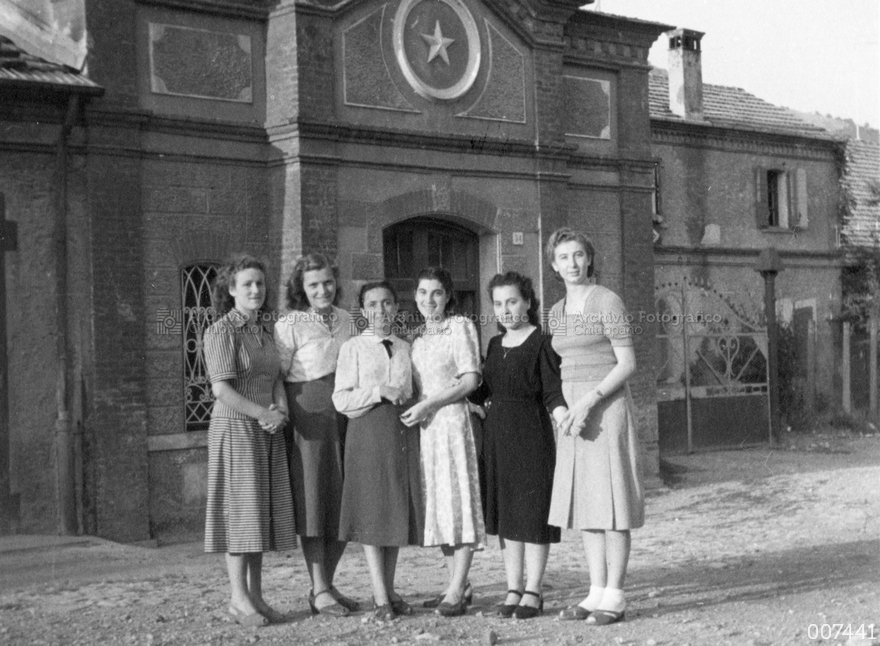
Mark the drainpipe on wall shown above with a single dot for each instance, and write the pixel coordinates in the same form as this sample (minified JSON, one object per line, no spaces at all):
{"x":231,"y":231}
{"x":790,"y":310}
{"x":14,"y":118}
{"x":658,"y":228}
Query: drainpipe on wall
{"x":65,"y":460}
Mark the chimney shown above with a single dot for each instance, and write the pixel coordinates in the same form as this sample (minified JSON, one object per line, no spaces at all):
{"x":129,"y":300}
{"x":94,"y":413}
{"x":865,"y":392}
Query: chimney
{"x":685,"y":74}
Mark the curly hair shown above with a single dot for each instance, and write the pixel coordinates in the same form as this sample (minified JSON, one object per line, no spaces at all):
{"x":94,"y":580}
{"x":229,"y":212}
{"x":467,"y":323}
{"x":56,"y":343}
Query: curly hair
{"x":296,"y":293}
{"x":443,"y":277}
{"x":566,"y":234}
{"x":221,"y":298}
{"x":524,"y":285}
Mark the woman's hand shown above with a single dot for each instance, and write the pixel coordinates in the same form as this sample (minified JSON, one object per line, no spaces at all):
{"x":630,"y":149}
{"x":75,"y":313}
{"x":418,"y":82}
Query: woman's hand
{"x":576,"y":418}
{"x":416,"y":414}
{"x":394,"y":395}
{"x":477,"y":410}
{"x":273,"y":419}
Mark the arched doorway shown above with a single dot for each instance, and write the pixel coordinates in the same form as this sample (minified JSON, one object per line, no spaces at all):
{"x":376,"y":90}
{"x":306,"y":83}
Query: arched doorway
{"x":420,"y":242}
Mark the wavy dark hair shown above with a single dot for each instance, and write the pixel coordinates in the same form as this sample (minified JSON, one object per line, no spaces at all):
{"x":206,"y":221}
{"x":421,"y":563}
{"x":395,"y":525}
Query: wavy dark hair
{"x":296,"y":293}
{"x":566,"y":234}
{"x":222,"y":300}
{"x":376,"y":284}
{"x":526,"y":290}
{"x":442,"y":276}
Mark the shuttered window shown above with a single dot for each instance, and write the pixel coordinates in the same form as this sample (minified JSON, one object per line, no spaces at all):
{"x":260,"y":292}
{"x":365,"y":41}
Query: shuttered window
{"x":781,"y":199}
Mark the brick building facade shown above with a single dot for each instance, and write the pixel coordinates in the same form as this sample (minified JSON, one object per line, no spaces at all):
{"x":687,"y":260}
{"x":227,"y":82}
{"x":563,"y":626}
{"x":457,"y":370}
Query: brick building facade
{"x":736,"y":175}
{"x":278,"y":127}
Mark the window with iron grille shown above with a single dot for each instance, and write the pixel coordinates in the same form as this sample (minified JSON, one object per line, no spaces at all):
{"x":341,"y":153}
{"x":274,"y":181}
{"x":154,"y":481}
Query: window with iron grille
{"x":198,"y":315}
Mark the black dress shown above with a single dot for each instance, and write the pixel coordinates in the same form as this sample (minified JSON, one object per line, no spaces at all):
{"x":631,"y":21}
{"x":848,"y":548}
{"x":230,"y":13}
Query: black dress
{"x":522,"y":384}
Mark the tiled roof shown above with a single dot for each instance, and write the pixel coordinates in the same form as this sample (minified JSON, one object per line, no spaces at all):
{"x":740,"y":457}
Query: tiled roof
{"x":20,"y":69}
{"x":730,"y":107}
{"x":862,"y":184}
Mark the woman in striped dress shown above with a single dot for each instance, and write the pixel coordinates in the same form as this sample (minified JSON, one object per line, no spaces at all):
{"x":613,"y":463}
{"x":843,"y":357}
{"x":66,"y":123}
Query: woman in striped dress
{"x":250,"y":508}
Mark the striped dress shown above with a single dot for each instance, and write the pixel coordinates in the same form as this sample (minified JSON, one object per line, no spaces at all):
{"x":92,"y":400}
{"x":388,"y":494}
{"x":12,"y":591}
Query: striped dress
{"x":250,"y":507}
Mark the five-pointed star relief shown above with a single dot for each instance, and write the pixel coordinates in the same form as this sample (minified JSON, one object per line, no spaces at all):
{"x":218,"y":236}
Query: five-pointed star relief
{"x":438,"y":44}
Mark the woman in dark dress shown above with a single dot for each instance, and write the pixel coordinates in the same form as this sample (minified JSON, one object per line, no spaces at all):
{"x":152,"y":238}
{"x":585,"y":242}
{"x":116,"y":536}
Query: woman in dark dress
{"x":522,"y":380}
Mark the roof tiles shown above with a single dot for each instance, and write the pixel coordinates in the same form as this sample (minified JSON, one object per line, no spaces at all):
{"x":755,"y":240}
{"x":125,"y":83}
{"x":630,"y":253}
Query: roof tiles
{"x":18,"y":68}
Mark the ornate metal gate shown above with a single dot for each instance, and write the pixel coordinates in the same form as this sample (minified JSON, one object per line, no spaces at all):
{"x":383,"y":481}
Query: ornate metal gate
{"x":713,"y":389}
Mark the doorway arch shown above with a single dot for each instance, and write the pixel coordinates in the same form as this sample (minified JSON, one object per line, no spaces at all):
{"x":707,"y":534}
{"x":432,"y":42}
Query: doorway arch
{"x":410,"y":245}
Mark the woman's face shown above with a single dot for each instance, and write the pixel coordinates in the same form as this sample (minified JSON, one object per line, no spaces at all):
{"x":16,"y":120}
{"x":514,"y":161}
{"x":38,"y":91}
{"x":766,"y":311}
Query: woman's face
{"x":248,"y":289}
{"x":320,"y":288}
{"x":379,"y":308}
{"x":431,"y":299}
{"x":571,"y":261}
{"x":511,"y":309}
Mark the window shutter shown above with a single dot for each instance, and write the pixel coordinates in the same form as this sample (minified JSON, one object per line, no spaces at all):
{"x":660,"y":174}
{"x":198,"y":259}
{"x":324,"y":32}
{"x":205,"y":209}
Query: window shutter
{"x":801,"y":216}
{"x":762,"y":207}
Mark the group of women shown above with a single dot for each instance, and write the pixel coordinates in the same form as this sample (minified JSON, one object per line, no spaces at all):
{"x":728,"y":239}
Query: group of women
{"x":337,"y":438}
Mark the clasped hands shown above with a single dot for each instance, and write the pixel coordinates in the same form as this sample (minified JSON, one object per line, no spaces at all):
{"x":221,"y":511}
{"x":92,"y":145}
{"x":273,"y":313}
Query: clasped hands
{"x":273,"y":420}
{"x":575,"y":419}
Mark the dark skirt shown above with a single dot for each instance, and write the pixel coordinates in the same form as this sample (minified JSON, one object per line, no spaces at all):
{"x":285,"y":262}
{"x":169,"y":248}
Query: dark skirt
{"x":381,"y":496}
{"x":520,"y":455}
{"x":315,"y":439}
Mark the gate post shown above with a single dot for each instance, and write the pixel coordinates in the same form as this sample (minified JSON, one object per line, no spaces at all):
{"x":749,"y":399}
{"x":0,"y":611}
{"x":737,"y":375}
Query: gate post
{"x":769,"y":264}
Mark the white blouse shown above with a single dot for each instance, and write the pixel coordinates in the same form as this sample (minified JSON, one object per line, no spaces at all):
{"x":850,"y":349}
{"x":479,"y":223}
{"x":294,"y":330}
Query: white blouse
{"x":364,"y":366}
{"x":308,"y":348}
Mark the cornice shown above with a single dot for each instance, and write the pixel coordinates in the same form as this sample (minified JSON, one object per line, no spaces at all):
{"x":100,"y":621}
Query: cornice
{"x":215,"y":7}
{"x":732,"y":139}
{"x":146,"y":121}
{"x":675,"y":254}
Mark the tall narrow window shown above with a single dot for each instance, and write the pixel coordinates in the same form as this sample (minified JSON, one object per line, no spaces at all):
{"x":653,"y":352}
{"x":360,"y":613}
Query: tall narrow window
{"x":782,"y":201}
{"x":197,"y":317}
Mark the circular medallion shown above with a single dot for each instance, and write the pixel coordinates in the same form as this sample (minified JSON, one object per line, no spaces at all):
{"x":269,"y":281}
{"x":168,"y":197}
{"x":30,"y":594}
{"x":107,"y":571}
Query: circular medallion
{"x":437,"y":45}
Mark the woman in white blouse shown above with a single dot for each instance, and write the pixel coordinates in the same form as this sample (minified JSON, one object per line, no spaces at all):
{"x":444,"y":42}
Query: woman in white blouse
{"x":308,"y":338}
{"x":381,"y":495}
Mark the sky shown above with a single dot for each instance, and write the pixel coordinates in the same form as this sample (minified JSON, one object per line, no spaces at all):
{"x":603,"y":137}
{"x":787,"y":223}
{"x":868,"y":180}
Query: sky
{"x":810,"y":55}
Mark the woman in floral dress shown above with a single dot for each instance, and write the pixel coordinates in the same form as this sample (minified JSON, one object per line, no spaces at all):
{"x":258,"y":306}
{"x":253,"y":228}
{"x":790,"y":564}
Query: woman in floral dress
{"x":446,"y":367}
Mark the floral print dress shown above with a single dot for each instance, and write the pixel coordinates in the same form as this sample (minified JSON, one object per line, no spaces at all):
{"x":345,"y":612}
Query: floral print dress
{"x":449,"y":476}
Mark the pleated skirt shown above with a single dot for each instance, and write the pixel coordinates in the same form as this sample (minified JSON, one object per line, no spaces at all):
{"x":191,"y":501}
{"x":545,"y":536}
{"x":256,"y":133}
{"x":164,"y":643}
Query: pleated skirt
{"x":250,"y":507}
{"x":596,"y":482}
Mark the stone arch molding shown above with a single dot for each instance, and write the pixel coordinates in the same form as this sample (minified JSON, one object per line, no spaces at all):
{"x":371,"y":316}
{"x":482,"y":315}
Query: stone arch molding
{"x":473,"y":212}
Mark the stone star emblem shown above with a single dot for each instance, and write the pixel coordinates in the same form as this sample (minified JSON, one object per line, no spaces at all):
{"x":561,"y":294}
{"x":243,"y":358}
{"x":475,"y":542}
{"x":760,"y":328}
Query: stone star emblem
{"x":438,"y":44}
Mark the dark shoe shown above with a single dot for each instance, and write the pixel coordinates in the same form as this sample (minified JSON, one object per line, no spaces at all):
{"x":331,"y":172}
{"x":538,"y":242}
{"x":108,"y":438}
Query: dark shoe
{"x":334,"y":609}
{"x":528,"y":612}
{"x":505,"y":610}
{"x":457,"y":609}
{"x":385,"y":612}
{"x":435,"y":602}
{"x":253,"y":620}
{"x":574,"y":613}
{"x":349,"y":604}
{"x":401,"y":607}
{"x":605,"y":617}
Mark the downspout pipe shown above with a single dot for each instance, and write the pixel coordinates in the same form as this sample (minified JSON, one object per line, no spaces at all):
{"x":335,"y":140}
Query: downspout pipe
{"x":65,"y":459}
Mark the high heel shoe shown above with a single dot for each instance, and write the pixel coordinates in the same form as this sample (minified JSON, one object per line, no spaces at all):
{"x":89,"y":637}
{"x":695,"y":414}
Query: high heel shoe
{"x":349,"y":604}
{"x":506,"y":610}
{"x":456,"y":609}
{"x":528,"y":612}
{"x":435,"y":602}
{"x":401,"y":607}
{"x":334,"y":609}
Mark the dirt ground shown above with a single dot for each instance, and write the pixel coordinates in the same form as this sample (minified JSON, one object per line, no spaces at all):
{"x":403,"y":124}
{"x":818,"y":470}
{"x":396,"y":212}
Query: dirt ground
{"x":758,"y":547}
